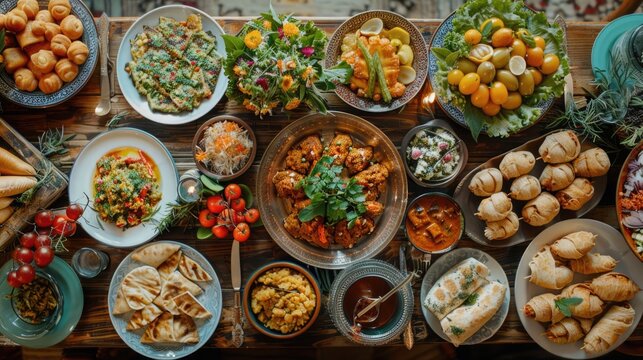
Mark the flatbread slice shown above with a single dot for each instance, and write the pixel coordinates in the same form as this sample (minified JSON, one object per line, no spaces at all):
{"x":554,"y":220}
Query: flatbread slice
{"x":160,"y":330}
{"x":120,"y":305}
{"x":185,"y":330}
{"x":175,"y":285}
{"x":141,"y":286}
{"x":142,"y":317}
{"x":193,"y":271}
{"x":189,"y":305}
{"x":169,"y":266}
{"x":155,"y":254}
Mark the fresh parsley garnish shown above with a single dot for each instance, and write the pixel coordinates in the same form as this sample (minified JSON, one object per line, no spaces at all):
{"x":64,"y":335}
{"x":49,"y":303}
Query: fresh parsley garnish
{"x":471,"y":299}
{"x":565,"y":305}
{"x":456,"y":330}
{"x":332,"y":197}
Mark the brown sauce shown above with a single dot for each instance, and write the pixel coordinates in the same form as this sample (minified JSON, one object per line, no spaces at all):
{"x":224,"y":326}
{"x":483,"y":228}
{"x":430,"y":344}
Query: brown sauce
{"x":433,"y":223}
{"x":374,"y":287}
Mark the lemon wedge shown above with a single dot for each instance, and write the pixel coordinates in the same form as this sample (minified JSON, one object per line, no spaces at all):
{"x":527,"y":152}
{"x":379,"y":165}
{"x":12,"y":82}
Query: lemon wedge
{"x":517,"y":65}
{"x":480,"y":53}
{"x":401,"y":34}
{"x":407,"y":75}
{"x":371,"y":27}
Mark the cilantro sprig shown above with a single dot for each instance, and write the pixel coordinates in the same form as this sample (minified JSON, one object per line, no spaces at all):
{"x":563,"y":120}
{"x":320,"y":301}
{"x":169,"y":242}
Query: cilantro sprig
{"x":331,"y":196}
{"x":565,"y":305}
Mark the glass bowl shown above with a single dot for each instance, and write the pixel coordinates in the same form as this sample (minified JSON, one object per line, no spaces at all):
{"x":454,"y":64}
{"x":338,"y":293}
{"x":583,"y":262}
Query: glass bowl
{"x":394,"y":327}
{"x":430,"y":127}
{"x":30,"y":329}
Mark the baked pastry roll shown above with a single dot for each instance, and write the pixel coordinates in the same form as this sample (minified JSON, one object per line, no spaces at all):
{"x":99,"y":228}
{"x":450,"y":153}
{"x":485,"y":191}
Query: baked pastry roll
{"x":51,"y":30}
{"x":517,"y":163}
{"x":615,"y":286}
{"x":59,"y":9}
{"x":50,"y":83}
{"x":66,"y":70}
{"x":541,"y":210}
{"x":34,"y":71}
{"x":548,"y":273}
{"x":567,"y":331}
{"x":25,"y":80}
{"x":574,"y":245}
{"x":502,"y":229}
{"x":72,"y":27}
{"x":609,"y":328}
{"x":592,"y":163}
{"x":14,"y":59}
{"x":3,"y":17}
{"x":486,"y":182}
{"x":542,"y":308}
{"x":45,"y":16}
{"x":44,"y":60}
{"x":560,"y":147}
{"x":494,"y":208}
{"x":557,"y":176}
{"x":34,"y":48}
{"x":28,"y":37}
{"x":590,"y":306}
{"x":77,"y":52}
{"x":15,"y":21}
{"x":576,"y":195}
{"x":30,"y":7}
{"x":60,"y":44}
{"x":593,"y":264}
{"x":38,"y":27}
{"x":525,"y":187}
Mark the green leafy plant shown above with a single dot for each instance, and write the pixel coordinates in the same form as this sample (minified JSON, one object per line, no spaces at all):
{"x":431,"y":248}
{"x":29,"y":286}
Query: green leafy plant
{"x":565,"y":305}
{"x":52,"y":142}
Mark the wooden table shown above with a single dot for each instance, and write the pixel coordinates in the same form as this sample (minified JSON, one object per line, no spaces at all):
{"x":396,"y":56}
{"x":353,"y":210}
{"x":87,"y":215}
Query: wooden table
{"x":77,"y":116}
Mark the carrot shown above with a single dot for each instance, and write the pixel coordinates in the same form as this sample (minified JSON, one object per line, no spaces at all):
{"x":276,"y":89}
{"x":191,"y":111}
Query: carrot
{"x":14,"y":185}
{"x":13,"y":165}
{"x":5,"y":202}
{"x":5,"y":214}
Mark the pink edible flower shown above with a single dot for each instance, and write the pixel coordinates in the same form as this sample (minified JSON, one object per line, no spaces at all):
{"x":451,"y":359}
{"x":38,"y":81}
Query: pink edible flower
{"x":281,"y":32}
{"x":308,"y":51}
{"x":416,"y":154}
{"x":263,"y":82}
{"x":250,"y":62}
{"x":443,"y":146}
{"x":448,"y":157}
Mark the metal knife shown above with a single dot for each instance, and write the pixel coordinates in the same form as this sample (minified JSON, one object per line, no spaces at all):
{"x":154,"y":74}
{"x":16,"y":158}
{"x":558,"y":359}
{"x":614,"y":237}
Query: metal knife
{"x":568,"y":92}
{"x":104,"y":105}
{"x":235,"y":272}
{"x":407,"y":335}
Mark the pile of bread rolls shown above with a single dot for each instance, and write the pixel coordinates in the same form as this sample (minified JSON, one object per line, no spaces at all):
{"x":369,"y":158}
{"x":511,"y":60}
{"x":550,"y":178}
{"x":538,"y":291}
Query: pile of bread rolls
{"x":566,"y":174}
{"x":42,"y":47}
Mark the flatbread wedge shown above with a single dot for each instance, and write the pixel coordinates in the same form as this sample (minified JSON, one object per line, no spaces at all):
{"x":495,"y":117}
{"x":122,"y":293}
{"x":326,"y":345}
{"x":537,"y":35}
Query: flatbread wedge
{"x":142,"y":317}
{"x":185,"y":330}
{"x":120,"y":305}
{"x":175,"y":285}
{"x":193,"y":271}
{"x":189,"y":305}
{"x":155,"y":254}
{"x":141,"y":286}
{"x":170,"y":265}
{"x":160,"y":330}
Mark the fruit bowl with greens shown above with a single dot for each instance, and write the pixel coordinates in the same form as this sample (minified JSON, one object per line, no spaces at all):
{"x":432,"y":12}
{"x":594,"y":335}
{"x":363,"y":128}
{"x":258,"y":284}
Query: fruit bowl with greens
{"x":496,"y":66}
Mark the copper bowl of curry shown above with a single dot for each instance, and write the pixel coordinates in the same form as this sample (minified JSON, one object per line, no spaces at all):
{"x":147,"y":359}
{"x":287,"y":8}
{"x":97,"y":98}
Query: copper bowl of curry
{"x":434,"y":223}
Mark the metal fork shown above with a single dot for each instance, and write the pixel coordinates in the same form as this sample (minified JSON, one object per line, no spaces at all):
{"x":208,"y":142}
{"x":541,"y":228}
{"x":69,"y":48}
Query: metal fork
{"x":421,"y":260}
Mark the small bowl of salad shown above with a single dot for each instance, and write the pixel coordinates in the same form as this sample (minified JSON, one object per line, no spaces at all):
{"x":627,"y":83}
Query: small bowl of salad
{"x":434,"y":155}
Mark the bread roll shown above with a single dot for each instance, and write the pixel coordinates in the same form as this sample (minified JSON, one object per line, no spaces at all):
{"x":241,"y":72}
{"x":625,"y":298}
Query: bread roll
{"x":525,"y":187}
{"x":60,"y":44}
{"x":28,"y":37}
{"x":560,"y":147}
{"x":15,"y":21}
{"x":50,"y":83}
{"x":486,"y":182}
{"x":59,"y":9}
{"x":517,"y":163}
{"x":557,"y":176}
{"x":30,"y":7}
{"x":45,"y":16}
{"x":502,"y":229}
{"x":72,"y":27}
{"x":37,"y":74}
{"x":494,"y":208}
{"x":34,"y":48}
{"x":77,"y":52}
{"x":38,"y":27}
{"x":51,"y":30}
{"x":541,"y":210}
{"x":44,"y":61}
{"x":3,"y":18}
{"x":14,"y":59}
{"x":592,"y":163}
{"x":25,"y":80}
{"x":66,"y":70}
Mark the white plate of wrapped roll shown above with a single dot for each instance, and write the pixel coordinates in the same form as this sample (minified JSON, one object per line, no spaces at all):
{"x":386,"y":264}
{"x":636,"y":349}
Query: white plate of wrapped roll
{"x":465,"y":296}
{"x":510,"y":198}
{"x":577,"y":289}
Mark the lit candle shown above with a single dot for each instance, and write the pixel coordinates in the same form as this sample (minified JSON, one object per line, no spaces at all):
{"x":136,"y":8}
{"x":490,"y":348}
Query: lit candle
{"x":189,"y":189}
{"x":428,"y":102}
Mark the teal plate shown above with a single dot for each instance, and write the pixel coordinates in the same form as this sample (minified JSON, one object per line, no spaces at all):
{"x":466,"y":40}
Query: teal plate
{"x":14,"y":328}
{"x":607,"y":37}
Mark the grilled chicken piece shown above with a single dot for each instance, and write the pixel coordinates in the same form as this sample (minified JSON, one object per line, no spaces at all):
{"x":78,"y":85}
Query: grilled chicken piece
{"x":339,"y":147}
{"x":286,"y":184}
{"x":349,"y":237}
{"x":358,"y":159}
{"x":303,"y":156}
{"x":373,"y":180}
{"x":373,"y":209}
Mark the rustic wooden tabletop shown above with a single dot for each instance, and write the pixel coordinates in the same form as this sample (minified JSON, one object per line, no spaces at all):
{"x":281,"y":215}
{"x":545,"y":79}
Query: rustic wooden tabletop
{"x":77,"y":116}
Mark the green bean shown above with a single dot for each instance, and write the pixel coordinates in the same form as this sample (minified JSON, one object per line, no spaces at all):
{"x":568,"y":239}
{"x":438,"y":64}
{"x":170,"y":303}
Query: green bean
{"x":371,"y":68}
{"x":386,"y":95}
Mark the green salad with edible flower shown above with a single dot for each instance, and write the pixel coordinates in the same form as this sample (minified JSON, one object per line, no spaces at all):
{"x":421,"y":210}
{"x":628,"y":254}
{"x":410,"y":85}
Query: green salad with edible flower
{"x":276,"y":61}
{"x":497,"y":63}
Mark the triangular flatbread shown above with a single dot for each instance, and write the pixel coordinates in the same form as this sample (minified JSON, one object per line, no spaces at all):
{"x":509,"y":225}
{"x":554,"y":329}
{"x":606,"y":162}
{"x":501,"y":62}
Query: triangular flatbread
{"x":155,"y":254}
{"x":190,"y":306}
{"x":141,"y":286}
{"x":160,"y":330}
{"x":193,"y":271}
{"x":185,"y":330}
{"x":142,"y":317}
{"x":175,"y":285}
{"x":169,"y":265}
{"x":120,"y":305}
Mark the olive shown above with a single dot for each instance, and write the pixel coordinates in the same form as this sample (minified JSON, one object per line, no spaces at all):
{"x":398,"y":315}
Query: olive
{"x":486,"y":71}
{"x":500,"y":57}
{"x":507,"y":78}
{"x":466,"y":66}
{"x":514,"y":100}
{"x":526,"y":81}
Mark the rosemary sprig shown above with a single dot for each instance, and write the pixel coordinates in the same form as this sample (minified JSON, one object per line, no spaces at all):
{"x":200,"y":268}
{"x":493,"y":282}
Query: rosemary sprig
{"x":43,"y":178}
{"x":113,"y":122}
{"x":178,"y":213}
{"x":52,"y":142}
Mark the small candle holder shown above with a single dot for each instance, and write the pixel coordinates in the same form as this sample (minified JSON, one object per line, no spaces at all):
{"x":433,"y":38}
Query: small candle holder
{"x":88,"y":262}
{"x":428,"y":103}
{"x":190,"y":186}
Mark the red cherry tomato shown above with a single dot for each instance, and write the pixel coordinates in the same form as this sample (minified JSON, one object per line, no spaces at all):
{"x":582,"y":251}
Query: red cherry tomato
{"x":207,"y":219}
{"x":238,"y":204}
{"x":43,"y":240}
{"x":216,"y":204}
{"x":44,"y":256}
{"x":26,"y":273}
{"x":23,"y":255}
{"x":74,"y":211}
{"x":12,"y":279}
{"x":220,"y":231}
{"x":28,"y":240}
{"x":252,"y":216}
{"x":43,"y":231}
{"x":232,"y":191}
{"x":241,"y":232}
{"x":44,"y":218}
{"x":239,"y":218}
{"x":64,"y":226}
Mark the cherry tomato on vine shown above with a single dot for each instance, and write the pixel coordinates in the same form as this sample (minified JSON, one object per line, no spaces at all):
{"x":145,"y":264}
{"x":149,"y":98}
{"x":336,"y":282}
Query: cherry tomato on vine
{"x":44,"y":219}
{"x":44,"y":256}
{"x":216,"y":204}
{"x":23,"y":255}
{"x":232,"y":191}
{"x":43,"y":240}
{"x":26,"y":273}
{"x":207,"y":219}
{"x":28,"y":240}
{"x":12,"y":279}
{"x":238,"y":204}
{"x":220,"y":231}
{"x":241,"y":232}
{"x":252,"y":216}
{"x":74,"y":211}
{"x":64,"y":226}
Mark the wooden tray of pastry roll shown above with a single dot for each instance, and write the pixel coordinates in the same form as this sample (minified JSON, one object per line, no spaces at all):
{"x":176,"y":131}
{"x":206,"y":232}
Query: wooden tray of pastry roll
{"x":469,"y":202}
{"x":46,"y":194}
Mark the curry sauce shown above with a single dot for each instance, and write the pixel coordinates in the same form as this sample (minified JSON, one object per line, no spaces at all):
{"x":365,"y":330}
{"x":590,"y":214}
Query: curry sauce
{"x":434,"y":223}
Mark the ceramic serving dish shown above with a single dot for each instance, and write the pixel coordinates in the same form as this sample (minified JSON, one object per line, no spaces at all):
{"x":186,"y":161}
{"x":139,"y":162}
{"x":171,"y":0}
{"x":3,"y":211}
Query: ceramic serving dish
{"x":630,"y":167}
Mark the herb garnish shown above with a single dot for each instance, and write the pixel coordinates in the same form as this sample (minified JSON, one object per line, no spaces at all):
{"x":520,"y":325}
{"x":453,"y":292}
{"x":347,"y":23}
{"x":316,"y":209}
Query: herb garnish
{"x":565,"y":305}
{"x":472,"y":299}
{"x":331,"y":196}
{"x":456,"y":330}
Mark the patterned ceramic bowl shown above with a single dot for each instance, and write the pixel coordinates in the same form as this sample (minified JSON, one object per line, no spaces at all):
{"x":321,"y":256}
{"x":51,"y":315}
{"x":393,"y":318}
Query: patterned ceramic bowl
{"x":391,"y":20}
{"x":38,"y":99}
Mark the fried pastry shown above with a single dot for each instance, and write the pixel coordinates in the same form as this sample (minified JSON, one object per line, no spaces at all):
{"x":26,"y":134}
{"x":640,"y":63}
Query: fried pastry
{"x":576,"y":195}
{"x":59,"y":9}
{"x":72,"y":27}
{"x":25,"y":80}
{"x":567,"y":331}
{"x":560,"y":147}
{"x":614,"y":286}
{"x":557,"y":176}
{"x":592,"y":163}
{"x":15,"y":20}
{"x":51,"y":30}
{"x":517,"y":163}
{"x":609,"y":328}
{"x":541,"y":210}
{"x":525,"y":187}
{"x":548,"y":273}
{"x":66,"y":70}
{"x":494,"y":208}
{"x":14,"y":59}
{"x":574,"y":245}
{"x":486,"y":182}
{"x":593,"y":264}
{"x":45,"y":16}
{"x":59,"y":45}
{"x":502,"y":229}
{"x":590,"y":306}
{"x":77,"y":52}
{"x":542,"y":308}
{"x":44,"y":61}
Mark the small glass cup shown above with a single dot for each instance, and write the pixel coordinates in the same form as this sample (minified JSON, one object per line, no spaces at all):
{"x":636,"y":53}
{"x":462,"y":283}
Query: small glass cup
{"x":88,"y":262}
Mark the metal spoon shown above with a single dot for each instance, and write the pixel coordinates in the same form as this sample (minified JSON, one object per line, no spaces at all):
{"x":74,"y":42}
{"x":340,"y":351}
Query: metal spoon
{"x":104,"y":106}
{"x":374,"y":303}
